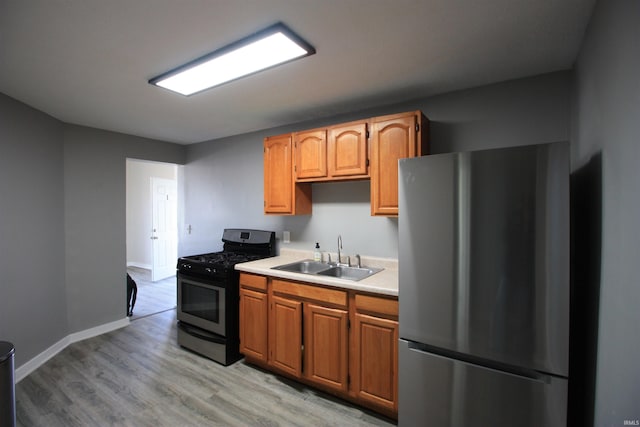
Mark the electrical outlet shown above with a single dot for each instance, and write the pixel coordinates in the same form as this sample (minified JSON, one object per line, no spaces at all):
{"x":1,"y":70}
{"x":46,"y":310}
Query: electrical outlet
{"x":286,"y":237}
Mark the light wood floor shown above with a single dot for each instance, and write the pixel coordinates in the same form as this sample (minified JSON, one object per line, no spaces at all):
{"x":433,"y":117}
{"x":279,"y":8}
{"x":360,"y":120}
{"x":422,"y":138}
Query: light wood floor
{"x":153,"y":297}
{"x":139,"y":376}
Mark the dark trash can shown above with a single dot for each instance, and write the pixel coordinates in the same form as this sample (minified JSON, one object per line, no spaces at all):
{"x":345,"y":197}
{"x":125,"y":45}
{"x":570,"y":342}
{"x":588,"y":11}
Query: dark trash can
{"x":7,"y":385}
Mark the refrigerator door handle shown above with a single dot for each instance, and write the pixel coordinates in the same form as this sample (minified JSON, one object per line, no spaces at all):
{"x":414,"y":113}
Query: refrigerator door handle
{"x":485,"y":363}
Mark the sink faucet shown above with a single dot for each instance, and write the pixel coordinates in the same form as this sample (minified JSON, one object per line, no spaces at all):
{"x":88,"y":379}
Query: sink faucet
{"x":339,"y":248}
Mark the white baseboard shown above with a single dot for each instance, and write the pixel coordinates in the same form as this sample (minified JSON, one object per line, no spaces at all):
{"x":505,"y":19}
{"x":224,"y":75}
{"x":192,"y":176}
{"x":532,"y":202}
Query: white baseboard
{"x":33,"y":364}
{"x":139,"y":265}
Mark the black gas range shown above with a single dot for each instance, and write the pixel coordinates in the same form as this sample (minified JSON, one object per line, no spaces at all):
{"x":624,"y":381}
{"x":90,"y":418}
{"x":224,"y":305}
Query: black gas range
{"x":208,"y":294}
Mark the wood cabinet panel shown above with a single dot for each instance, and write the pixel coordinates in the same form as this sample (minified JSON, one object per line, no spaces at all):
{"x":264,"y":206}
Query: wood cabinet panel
{"x":347,"y":150}
{"x":285,"y":335}
{"x":311,"y":154}
{"x":394,"y":137}
{"x":376,"y":379}
{"x":253,"y":324}
{"x":310,"y":292}
{"x":281,"y":194}
{"x":278,"y":185}
{"x":253,"y":281}
{"x":377,"y":305}
{"x":326,"y":346}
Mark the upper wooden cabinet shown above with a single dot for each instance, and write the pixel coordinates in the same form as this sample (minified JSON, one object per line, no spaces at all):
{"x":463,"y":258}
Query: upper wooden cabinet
{"x":348,"y":151}
{"x":311,"y":154}
{"x":335,"y":153}
{"x":281,"y":194}
{"x":392,"y":138}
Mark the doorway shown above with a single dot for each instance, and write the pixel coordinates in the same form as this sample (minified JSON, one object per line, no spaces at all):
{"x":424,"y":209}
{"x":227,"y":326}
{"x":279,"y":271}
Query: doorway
{"x":152,"y":229}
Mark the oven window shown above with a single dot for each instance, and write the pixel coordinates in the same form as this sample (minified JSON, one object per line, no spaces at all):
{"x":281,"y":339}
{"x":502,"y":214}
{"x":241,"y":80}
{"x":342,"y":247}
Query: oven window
{"x":201,"y":302}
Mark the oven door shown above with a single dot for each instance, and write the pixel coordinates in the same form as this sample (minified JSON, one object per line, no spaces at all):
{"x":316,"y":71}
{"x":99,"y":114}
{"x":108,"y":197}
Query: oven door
{"x":202,"y":304}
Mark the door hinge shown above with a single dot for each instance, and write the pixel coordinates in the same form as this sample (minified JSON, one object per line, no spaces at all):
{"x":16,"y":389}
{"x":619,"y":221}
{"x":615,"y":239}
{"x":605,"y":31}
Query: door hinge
{"x":367,"y":162}
{"x":348,"y":323}
{"x":417,"y":127}
{"x":348,"y":379}
{"x":367,"y":133}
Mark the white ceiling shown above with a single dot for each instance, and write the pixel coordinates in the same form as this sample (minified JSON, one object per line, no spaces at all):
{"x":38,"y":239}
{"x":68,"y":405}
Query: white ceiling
{"x":87,"y":62}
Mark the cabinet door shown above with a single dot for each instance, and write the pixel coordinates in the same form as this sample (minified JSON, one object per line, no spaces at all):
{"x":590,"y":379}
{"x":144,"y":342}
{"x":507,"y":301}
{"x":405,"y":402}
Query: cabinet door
{"x":326,"y":341}
{"x":376,"y":348}
{"x":281,"y":195}
{"x":254,"y":310}
{"x":347,"y":150}
{"x":278,"y":182}
{"x":311,"y":154}
{"x":393,"y":138}
{"x":285,"y":335}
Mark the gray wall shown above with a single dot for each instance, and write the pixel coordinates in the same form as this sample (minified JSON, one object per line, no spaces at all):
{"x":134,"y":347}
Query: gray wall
{"x":62,"y":225}
{"x":606,"y":118}
{"x":95,"y":219}
{"x":33,"y":305}
{"x":224,"y":178}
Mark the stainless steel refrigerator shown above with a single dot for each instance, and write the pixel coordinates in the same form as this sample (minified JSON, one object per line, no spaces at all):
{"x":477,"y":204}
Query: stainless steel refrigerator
{"x":484,"y":288}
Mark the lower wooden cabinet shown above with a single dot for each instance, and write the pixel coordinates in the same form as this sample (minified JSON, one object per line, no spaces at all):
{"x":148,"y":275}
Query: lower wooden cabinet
{"x":285,"y":335}
{"x":326,"y":346}
{"x":254,"y":307}
{"x":343,"y":342}
{"x":376,"y":380}
{"x":253,"y":326}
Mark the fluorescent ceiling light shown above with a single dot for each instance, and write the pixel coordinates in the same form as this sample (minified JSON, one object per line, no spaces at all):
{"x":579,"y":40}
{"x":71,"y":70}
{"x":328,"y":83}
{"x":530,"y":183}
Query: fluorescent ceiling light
{"x":265,"y":49}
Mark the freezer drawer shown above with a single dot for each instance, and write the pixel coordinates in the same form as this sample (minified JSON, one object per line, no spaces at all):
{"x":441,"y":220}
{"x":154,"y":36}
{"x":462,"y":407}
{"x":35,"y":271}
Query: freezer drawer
{"x":439,"y":391}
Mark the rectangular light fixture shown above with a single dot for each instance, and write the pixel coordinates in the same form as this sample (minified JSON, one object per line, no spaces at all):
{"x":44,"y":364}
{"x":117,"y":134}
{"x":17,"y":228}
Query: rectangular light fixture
{"x":265,"y":49}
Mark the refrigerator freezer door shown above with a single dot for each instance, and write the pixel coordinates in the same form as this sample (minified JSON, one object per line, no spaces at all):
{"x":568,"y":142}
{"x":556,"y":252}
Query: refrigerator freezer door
{"x":484,"y":254}
{"x":438,"y":391}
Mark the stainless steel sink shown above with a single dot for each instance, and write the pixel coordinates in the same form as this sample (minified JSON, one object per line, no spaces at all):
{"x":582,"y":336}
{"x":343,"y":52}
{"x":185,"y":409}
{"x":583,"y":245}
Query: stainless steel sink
{"x":349,"y":273}
{"x":308,"y":266}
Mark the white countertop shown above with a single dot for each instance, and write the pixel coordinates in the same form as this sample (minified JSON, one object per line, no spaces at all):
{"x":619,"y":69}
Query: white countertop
{"x":384,"y":282}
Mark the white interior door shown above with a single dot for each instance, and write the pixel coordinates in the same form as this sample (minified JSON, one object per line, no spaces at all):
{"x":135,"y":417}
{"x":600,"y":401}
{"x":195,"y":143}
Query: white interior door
{"x":164,"y":228}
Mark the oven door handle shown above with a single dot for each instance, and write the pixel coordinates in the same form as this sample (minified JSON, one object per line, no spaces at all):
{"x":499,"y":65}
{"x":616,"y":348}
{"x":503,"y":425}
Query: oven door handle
{"x":208,"y":337}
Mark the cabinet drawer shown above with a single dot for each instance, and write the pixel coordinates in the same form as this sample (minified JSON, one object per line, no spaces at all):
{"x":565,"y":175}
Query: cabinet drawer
{"x":253,"y":281}
{"x":384,"y":306}
{"x":329,"y":296}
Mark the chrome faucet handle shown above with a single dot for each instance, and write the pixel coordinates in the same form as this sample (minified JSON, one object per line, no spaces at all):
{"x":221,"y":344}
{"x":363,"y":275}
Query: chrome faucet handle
{"x":339,"y":248}
{"x":328,"y":258}
{"x":359,"y":265}
{"x":348,"y":260}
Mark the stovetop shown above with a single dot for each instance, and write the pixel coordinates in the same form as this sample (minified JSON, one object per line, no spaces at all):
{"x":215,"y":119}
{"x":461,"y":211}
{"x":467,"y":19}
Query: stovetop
{"x":240,"y":245}
{"x":222,"y":259}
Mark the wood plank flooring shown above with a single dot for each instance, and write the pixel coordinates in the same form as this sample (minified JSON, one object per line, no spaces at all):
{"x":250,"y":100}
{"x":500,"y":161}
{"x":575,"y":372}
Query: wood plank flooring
{"x":139,"y":376}
{"x":153,"y":297}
